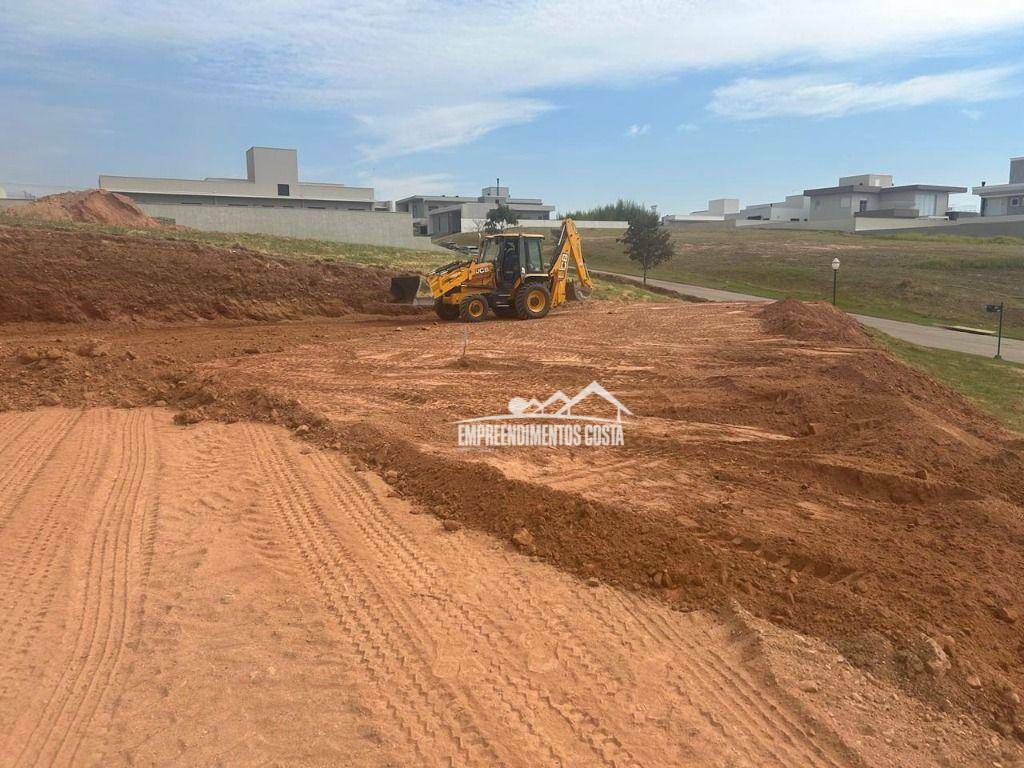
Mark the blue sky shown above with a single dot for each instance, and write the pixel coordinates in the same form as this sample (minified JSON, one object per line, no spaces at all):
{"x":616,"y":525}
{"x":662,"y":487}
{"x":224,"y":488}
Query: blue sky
{"x":670,"y":103}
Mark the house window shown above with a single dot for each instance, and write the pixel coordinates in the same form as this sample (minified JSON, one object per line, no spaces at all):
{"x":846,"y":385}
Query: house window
{"x":862,"y":206}
{"x":926,"y":203}
{"x":283,"y":190}
{"x":1014,"y":201}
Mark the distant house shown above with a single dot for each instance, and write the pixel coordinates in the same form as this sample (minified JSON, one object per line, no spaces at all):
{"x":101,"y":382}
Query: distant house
{"x":717,"y":210}
{"x":874,"y":195}
{"x":793,"y":208}
{"x":271,"y":181}
{"x":1004,"y":199}
{"x":437,"y":215}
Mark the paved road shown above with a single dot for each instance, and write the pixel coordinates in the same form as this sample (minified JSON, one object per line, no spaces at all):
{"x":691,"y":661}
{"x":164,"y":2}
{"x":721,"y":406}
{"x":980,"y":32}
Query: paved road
{"x":924,"y":335}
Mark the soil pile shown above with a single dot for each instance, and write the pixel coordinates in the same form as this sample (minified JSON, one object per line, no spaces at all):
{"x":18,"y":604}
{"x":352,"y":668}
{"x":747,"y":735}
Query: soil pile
{"x":812,"y":321}
{"x":93,"y":206}
{"x":62,"y":276}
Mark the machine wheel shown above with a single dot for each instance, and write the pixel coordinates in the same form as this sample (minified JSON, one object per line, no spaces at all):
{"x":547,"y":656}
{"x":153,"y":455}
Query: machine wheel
{"x":446,"y":311}
{"x":533,"y":301}
{"x":473,"y":309}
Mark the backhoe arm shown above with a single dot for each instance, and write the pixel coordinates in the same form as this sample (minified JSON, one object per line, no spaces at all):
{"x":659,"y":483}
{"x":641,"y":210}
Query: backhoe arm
{"x":569,"y":247}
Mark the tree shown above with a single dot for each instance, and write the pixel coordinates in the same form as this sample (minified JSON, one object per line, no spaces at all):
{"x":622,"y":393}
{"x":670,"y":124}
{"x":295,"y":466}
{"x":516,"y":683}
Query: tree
{"x":647,"y":242}
{"x":500,"y":217}
{"x":620,"y":210}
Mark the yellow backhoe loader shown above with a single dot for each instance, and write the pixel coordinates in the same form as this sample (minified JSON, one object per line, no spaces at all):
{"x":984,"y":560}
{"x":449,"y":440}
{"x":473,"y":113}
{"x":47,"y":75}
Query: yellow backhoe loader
{"x":508,"y":276}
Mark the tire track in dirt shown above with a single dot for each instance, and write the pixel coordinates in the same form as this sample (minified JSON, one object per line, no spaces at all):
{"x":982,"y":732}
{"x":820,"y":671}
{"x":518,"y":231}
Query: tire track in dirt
{"x":434,"y":720}
{"x":744,"y":710}
{"x":108,"y":603}
{"x":555,"y":712}
{"x":770,"y":734}
{"x":24,"y":462}
{"x":35,"y":565}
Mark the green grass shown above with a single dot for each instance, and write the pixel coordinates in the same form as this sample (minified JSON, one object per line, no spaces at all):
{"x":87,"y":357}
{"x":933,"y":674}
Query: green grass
{"x":995,"y":386}
{"x":930,"y":279}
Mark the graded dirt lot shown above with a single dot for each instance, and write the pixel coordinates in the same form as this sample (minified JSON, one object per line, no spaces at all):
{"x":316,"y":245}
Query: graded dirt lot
{"x":275,"y":552}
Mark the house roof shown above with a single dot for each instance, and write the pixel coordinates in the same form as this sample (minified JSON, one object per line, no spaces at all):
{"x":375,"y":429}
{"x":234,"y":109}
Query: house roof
{"x":861,"y":188}
{"x":995,"y":190}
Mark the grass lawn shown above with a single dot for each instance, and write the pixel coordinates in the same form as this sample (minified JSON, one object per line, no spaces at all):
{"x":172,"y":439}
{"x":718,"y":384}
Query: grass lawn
{"x":994,"y":386}
{"x":931,"y":279}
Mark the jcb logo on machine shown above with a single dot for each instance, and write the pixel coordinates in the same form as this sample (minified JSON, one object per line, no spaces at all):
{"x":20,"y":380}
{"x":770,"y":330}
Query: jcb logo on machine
{"x":481,"y":270}
{"x":532,"y":423}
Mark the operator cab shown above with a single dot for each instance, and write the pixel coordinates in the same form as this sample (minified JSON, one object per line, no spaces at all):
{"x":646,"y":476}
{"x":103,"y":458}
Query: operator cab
{"x":513,"y":256}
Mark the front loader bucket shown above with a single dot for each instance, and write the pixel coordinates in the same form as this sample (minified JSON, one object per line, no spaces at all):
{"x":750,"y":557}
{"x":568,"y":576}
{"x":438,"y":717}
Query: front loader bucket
{"x":411,"y":290}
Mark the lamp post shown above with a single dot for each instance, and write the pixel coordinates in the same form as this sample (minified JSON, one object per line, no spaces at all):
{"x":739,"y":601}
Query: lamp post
{"x":999,"y":334}
{"x":835,"y":278}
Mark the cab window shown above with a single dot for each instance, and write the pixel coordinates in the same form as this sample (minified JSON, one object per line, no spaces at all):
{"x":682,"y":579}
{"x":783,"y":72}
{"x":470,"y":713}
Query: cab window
{"x":533,"y":258}
{"x":492,"y":250}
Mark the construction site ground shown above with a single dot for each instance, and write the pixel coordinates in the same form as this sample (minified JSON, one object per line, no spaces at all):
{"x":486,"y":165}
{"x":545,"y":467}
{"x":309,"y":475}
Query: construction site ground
{"x":236,"y":542}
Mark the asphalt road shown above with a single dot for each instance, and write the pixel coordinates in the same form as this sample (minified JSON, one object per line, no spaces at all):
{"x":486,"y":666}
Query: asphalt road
{"x":923,"y":335}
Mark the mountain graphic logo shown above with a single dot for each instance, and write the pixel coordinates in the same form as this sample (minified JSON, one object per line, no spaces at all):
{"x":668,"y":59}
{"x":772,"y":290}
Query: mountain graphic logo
{"x":559,"y":406}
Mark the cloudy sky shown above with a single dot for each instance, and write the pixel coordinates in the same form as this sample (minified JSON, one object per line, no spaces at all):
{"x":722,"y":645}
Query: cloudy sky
{"x":579,"y":102}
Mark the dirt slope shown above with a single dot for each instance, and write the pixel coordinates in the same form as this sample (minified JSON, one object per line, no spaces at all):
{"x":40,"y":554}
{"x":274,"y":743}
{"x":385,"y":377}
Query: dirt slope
{"x":74,"y":276}
{"x":225,"y":597}
{"x":91,"y":206}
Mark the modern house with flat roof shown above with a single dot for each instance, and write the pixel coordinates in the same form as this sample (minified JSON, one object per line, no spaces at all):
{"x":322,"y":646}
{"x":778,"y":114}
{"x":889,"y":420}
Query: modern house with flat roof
{"x":271,"y":200}
{"x":874,"y":195}
{"x":436,"y":215}
{"x":793,"y":208}
{"x":1004,"y":199}
{"x":271,"y":181}
{"x":717,"y":210}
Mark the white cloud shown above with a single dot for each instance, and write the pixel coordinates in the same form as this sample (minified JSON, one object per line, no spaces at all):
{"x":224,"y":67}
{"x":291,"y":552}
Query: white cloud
{"x":397,"y":187}
{"x":404,"y":65}
{"x":687,"y":128}
{"x":445,"y":126}
{"x":638,"y":130}
{"x":806,"y":96}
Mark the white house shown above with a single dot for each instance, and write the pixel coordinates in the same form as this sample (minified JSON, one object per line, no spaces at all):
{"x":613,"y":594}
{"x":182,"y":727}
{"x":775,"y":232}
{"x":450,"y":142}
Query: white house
{"x":874,"y":195}
{"x":1004,"y":199}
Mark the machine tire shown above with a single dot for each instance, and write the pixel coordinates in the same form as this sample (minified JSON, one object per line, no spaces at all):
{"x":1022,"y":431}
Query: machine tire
{"x":473,"y":309}
{"x":533,"y":301}
{"x":446,"y":311}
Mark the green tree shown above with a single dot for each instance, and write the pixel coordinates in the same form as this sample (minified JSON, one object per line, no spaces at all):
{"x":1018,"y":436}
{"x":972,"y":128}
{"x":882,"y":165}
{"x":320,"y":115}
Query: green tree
{"x":647,"y":242}
{"x":620,"y":210}
{"x":500,"y":217}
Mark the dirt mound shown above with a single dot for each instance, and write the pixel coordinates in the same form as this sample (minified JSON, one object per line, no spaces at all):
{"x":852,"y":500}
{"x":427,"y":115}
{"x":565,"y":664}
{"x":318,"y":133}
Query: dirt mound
{"x":812,"y":321}
{"x":61,"y":276}
{"x":93,"y":206}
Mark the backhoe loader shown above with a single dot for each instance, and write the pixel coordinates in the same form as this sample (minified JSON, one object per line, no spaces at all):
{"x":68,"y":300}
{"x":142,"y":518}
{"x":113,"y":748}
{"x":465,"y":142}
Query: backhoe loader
{"x":508,"y":276}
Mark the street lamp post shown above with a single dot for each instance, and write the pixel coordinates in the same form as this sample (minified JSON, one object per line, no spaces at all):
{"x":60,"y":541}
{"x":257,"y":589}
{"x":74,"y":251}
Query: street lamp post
{"x":835,"y":278}
{"x":999,"y":334}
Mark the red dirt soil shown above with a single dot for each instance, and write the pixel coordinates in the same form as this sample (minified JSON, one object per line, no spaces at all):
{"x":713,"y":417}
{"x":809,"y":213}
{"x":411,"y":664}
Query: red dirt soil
{"x":816,"y":321}
{"x":779,"y":461}
{"x":92,"y":206}
{"x":73,"y":276}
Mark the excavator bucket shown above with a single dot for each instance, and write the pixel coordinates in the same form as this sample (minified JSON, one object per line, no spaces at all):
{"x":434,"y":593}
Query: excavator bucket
{"x":411,"y":289}
{"x":576,"y":292}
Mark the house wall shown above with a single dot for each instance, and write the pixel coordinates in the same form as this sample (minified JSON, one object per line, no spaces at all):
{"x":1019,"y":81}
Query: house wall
{"x":837,"y":206}
{"x":363,"y":227}
{"x":248,"y":202}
